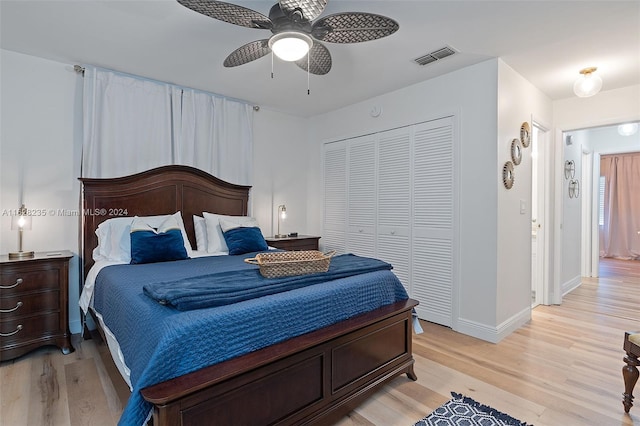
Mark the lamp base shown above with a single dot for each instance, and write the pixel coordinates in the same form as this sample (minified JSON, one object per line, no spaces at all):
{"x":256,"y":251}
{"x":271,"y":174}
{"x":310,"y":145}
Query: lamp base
{"x":21,"y":254}
{"x":281,"y":235}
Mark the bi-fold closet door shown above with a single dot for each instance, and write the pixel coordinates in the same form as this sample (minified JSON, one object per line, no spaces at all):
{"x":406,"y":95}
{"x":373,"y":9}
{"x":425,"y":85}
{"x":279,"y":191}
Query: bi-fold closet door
{"x":390,"y":195}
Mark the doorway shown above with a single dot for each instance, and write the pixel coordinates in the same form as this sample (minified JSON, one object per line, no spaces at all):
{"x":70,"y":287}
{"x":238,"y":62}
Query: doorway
{"x":596,"y":142}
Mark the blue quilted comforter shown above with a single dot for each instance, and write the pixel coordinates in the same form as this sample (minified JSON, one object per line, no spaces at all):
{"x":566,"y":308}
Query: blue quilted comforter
{"x":160,"y":342}
{"x":237,"y":283}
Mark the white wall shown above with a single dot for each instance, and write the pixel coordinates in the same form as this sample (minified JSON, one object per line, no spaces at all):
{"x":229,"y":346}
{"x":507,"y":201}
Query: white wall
{"x":40,"y":152}
{"x":280,"y":171}
{"x":518,"y":101}
{"x":570,"y":275}
{"x":470,"y":94}
{"x":607,"y":107}
{"x":40,"y":156}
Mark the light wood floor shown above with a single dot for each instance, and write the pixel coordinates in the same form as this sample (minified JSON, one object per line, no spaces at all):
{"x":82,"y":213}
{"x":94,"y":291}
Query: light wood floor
{"x":561,"y":369}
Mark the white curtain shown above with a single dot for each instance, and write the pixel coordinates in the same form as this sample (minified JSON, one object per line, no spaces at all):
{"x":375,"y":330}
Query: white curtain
{"x":126,"y":124}
{"x":620,"y":233}
{"x":214,"y":134}
{"x":133,"y":124}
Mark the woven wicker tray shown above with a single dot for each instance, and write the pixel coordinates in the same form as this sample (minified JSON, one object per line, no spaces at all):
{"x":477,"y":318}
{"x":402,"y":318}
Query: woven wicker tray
{"x":290,"y":263}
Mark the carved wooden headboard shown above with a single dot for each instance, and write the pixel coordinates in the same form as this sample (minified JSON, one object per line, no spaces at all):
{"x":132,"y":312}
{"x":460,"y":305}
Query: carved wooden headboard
{"x":163,"y":190}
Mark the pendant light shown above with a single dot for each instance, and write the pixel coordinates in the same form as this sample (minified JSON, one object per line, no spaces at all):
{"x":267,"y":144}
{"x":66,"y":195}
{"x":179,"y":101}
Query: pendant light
{"x":588,"y":84}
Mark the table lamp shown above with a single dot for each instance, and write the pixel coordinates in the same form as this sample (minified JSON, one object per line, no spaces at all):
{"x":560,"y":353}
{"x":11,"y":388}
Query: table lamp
{"x":282,"y":215}
{"x":21,"y":222}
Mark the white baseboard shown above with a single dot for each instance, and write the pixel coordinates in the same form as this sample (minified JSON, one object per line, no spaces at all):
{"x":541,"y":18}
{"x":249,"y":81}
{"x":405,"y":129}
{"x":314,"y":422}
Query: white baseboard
{"x":569,"y":286}
{"x":494,"y":334}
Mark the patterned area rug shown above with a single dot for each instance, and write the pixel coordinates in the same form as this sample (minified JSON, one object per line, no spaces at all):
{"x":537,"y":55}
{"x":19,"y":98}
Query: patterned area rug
{"x":464,"y":411}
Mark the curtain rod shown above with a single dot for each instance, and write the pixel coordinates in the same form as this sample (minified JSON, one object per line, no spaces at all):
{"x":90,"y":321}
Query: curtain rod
{"x":80,"y":70}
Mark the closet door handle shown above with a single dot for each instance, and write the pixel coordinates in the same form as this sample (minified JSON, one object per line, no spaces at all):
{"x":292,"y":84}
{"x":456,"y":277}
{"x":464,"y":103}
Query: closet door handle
{"x":6,"y":311}
{"x":6,"y":287}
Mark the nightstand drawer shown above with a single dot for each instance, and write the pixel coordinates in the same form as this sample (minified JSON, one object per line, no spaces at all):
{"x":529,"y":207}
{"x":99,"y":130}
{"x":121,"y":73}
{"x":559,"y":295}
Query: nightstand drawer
{"x":21,"y":305}
{"x":34,"y":298}
{"x":26,"y":328}
{"x":13,"y":281}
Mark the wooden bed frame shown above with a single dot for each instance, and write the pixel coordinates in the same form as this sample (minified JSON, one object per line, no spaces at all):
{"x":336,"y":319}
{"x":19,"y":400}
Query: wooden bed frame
{"x":311,"y":379}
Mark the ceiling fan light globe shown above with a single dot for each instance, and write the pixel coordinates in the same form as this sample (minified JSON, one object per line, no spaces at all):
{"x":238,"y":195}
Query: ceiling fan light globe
{"x":290,"y":46}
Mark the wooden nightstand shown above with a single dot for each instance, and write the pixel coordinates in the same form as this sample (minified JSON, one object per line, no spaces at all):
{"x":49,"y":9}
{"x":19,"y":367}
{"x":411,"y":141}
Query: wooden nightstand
{"x":301,"y":242}
{"x":33,"y":303}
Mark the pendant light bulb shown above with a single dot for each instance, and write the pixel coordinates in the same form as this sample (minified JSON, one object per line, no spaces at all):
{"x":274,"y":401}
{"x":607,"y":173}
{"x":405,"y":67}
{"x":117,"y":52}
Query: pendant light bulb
{"x":588,"y":84}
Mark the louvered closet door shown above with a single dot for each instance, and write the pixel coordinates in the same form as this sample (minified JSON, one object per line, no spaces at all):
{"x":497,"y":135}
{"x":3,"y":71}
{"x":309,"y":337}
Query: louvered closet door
{"x":361,"y":204}
{"x":433,"y":220}
{"x":394,"y":201}
{"x":335,"y":197}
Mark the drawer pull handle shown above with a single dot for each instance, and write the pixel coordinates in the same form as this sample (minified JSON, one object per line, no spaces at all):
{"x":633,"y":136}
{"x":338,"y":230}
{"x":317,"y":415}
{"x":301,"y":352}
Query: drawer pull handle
{"x":18,"y":328}
{"x":18,"y":282}
{"x":6,"y":311}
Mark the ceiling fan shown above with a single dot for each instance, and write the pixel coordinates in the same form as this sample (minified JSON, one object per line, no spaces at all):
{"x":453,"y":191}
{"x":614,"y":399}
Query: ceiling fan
{"x":295,"y":37}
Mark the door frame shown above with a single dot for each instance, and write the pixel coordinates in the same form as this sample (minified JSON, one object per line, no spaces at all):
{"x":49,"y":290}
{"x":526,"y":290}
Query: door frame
{"x":541,"y":141}
{"x":588,"y":202}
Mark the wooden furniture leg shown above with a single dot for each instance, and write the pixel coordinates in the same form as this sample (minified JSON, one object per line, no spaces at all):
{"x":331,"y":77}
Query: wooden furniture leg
{"x":630,"y":371}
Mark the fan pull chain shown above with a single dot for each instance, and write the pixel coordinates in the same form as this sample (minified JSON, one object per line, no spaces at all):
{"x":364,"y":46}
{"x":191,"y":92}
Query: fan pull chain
{"x":308,"y":68}
{"x":272,"y":64}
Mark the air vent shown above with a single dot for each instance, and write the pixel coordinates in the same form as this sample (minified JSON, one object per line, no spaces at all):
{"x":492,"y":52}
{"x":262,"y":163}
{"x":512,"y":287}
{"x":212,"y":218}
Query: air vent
{"x":435,"y":55}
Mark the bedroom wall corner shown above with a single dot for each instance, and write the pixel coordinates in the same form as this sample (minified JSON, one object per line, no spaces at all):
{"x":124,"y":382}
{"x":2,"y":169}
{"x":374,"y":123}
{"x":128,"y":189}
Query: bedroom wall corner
{"x":40,"y":149}
{"x":280,"y":171}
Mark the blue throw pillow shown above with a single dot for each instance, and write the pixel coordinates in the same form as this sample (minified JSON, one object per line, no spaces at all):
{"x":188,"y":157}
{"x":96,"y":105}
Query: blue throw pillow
{"x":149,"y":245}
{"x":243,"y":240}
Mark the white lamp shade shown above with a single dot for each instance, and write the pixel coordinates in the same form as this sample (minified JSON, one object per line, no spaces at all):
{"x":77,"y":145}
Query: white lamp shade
{"x":588,"y":84}
{"x":21,"y":221}
{"x":290,"y":45}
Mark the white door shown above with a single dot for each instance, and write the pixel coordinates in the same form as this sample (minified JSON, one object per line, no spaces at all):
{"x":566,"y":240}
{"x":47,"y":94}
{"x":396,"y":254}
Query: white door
{"x":361,"y":190}
{"x":335,"y":197}
{"x":539,"y":148}
{"x":433,"y":220}
{"x":394,"y":202}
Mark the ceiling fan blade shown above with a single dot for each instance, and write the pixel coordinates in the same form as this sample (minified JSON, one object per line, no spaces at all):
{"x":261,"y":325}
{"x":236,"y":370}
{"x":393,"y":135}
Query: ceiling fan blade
{"x":230,"y":13}
{"x":247,"y":53}
{"x":353,"y":27}
{"x":309,"y":9}
{"x":319,"y":60}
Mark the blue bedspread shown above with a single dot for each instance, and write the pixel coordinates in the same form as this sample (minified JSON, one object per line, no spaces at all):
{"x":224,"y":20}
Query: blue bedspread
{"x":159,"y":342}
{"x":244,"y":282}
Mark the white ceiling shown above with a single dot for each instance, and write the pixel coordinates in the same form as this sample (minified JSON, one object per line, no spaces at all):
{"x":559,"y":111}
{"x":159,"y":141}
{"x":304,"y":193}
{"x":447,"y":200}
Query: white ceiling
{"x":547,"y":42}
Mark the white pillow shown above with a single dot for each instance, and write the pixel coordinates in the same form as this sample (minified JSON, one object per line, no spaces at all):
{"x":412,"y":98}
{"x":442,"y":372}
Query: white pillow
{"x":227,"y":225}
{"x":144,"y":224}
{"x":215,"y":239}
{"x":200,"y":228}
{"x":114,"y":241}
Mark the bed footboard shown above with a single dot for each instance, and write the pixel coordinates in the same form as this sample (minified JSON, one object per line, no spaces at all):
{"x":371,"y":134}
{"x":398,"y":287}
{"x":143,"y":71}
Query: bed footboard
{"x":313,"y":378}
